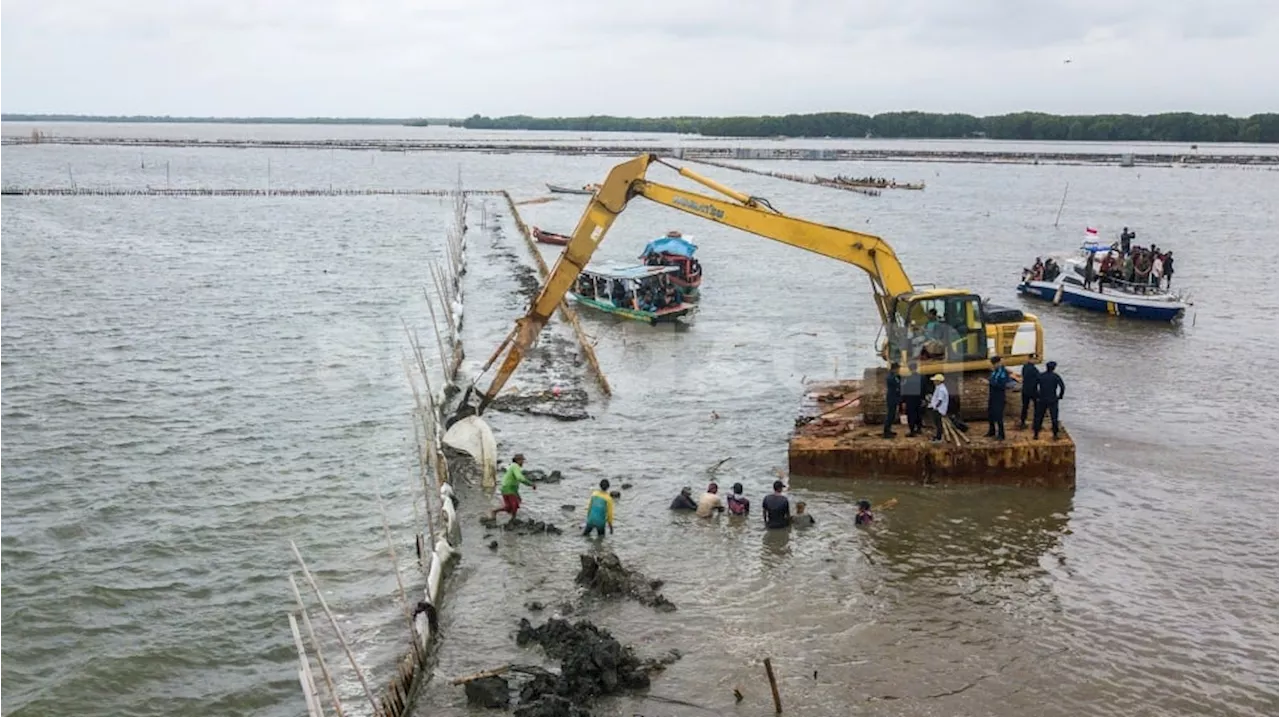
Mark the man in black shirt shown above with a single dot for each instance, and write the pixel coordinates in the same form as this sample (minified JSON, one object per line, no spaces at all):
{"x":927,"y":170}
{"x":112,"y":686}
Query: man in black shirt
{"x":777,"y":509}
{"x":685,"y":500}
{"x":1051,"y":390}
{"x":1030,"y":388}
{"x":912,"y":395}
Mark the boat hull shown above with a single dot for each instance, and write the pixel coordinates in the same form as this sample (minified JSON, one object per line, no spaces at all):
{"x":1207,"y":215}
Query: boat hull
{"x":648,"y":317}
{"x":1130,"y":306}
{"x":567,"y":190}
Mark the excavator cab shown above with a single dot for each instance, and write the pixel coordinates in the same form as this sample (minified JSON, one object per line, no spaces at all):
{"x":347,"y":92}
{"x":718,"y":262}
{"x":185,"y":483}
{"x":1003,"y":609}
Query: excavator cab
{"x":937,"y":326}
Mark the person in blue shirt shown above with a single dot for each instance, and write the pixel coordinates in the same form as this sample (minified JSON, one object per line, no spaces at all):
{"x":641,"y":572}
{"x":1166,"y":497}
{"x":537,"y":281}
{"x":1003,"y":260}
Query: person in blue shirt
{"x":997,"y":383}
{"x":599,"y":511}
{"x":892,"y":397}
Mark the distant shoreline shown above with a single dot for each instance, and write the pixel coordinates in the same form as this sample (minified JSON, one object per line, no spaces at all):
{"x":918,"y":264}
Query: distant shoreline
{"x":1176,"y":127}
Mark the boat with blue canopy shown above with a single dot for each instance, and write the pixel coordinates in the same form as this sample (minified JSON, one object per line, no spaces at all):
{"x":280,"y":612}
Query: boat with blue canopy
{"x":676,"y":250}
{"x":639,"y":293}
{"x":1077,"y":280}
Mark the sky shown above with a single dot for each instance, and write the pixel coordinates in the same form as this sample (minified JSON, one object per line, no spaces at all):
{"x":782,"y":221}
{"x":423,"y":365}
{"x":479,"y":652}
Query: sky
{"x":455,"y":58}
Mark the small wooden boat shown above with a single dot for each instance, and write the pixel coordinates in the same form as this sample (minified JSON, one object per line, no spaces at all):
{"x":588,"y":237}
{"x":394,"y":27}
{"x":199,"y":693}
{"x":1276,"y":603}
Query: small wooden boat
{"x":878,"y":183}
{"x":676,"y":250}
{"x":639,"y":293}
{"x":549,"y":237}
{"x":587,"y":189}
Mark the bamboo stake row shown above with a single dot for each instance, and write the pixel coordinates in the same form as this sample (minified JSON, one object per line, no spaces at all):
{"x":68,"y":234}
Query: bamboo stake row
{"x":566,"y":311}
{"x":436,"y":550}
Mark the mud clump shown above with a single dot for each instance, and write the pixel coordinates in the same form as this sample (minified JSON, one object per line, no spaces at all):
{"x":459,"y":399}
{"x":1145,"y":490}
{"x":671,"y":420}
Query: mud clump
{"x":592,"y":664}
{"x":520,"y":526}
{"x":570,"y":405}
{"x":491,"y":692}
{"x":541,"y":476}
{"x":606,"y":576}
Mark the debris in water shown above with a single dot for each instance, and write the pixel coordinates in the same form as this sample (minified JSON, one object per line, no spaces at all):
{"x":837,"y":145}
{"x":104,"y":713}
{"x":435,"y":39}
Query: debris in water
{"x":493,"y":545}
{"x":568,"y":506}
{"x":520,"y":526}
{"x":626,"y":486}
{"x":534,"y":606}
{"x":592,"y":664}
{"x":540,"y":476}
{"x":492,"y":692}
{"x":605,"y":575}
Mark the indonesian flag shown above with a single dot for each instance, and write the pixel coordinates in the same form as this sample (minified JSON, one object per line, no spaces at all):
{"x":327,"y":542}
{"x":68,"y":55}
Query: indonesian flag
{"x":1090,"y":233}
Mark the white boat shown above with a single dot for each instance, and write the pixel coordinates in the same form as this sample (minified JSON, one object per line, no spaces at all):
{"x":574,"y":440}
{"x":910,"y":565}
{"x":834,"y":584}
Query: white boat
{"x":1118,"y":298}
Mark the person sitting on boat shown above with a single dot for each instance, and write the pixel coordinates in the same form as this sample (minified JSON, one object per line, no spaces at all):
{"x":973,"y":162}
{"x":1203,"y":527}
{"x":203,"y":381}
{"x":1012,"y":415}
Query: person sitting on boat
{"x":1051,"y":269}
{"x":685,"y":500}
{"x":670,"y":297}
{"x":1037,"y":270}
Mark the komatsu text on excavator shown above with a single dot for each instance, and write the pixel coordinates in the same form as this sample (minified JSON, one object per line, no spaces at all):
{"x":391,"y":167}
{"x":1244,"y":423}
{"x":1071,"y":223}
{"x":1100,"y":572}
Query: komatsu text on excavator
{"x":948,"y":331}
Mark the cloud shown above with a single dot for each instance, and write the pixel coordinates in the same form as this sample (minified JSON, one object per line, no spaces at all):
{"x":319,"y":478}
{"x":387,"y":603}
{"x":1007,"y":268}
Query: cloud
{"x":454,"y":58}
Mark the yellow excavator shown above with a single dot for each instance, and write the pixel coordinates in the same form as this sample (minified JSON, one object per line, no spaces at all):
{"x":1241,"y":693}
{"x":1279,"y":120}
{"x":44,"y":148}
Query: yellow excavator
{"x":947,"y":331}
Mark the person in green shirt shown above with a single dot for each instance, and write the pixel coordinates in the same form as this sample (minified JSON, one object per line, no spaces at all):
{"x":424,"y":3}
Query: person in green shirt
{"x":599,"y":511}
{"x":510,"y":487}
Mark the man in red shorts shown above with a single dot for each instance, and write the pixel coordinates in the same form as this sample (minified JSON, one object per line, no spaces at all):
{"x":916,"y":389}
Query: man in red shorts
{"x":510,"y":487}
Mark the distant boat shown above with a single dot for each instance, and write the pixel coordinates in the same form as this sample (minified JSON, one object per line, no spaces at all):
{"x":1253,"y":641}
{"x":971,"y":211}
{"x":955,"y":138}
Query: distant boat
{"x":1118,"y":298}
{"x":587,"y":189}
{"x":631,"y":292}
{"x":549,"y":237}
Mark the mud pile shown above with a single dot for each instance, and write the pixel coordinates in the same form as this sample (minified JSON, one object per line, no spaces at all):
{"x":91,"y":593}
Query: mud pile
{"x":604,"y":574}
{"x":520,"y":526}
{"x":569,"y":405}
{"x":592,"y":664}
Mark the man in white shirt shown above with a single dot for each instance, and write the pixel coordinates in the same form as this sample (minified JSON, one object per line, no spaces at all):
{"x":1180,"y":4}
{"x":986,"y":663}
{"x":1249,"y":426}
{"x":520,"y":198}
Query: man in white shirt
{"x":938,"y":404}
{"x":710,"y":502}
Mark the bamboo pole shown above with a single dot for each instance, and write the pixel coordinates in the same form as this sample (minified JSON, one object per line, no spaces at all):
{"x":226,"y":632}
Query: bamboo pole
{"x":310,"y":692}
{"x":315,"y":646}
{"x":773,"y":686}
{"x":342,"y":639}
{"x":395,"y":567}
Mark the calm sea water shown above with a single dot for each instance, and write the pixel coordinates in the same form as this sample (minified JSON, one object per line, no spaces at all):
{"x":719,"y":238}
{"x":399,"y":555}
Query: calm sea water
{"x":190,"y":383}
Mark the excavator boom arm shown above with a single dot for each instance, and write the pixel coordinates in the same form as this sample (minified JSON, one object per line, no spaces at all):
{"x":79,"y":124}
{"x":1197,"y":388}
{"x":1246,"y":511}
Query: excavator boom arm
{"x":741,"y":211}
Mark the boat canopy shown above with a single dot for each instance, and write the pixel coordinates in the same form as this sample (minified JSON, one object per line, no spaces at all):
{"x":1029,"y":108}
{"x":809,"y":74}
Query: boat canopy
{"x":670,"y":245}
{"x":632,"y":273}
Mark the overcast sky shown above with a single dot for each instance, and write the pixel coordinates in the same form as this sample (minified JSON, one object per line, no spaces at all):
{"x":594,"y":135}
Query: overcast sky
{"x":447,"y":58}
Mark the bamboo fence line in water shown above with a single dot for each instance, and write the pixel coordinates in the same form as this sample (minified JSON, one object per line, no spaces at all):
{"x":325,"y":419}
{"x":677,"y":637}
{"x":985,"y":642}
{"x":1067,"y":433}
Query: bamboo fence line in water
{"x":232,"y":192}
{"x":802,"y":179}
{"x":437,"y":550}
{"x":566,"y":311}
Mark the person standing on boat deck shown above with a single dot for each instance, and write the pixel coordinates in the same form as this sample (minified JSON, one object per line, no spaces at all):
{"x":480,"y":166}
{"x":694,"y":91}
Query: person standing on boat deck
{"x":913,"y":397}
{"x":710,"y":503}
{"x":1030,"y":389}
{"x":1051,"y":390}
{"x":1125,"y":239}
{"x":510,"y":487}
{"x":892,"y":397}
{"x":776,"y":508}
{"x":1089,"y":272}
{"x":938,"y":404}
{"x":997,"y":382}
{"x":1157,"y":269}
{"x":599,"y":511}
{"x":1128,"y":268}
{"x":1168,"y":270}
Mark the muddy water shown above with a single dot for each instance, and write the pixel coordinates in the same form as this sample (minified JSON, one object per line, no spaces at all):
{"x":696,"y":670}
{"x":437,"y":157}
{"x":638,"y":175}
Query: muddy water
{"x":137,"y":575}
